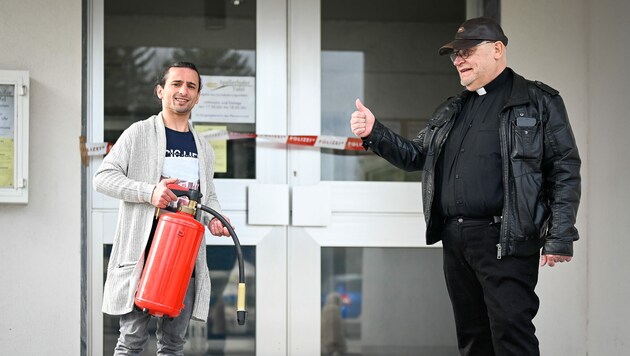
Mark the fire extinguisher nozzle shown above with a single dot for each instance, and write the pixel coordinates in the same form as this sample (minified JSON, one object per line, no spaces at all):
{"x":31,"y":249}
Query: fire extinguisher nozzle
{"x":241,"y":315}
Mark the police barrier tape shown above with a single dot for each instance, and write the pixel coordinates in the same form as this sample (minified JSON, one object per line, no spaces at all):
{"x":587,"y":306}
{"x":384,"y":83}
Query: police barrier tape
{"x":332,"y":142}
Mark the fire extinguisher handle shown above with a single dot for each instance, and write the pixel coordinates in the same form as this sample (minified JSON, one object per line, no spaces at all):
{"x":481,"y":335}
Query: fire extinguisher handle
{"x":180,"y":191}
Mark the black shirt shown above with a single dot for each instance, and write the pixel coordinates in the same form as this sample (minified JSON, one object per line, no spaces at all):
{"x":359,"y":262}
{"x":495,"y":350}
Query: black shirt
{"x":468,"y":172}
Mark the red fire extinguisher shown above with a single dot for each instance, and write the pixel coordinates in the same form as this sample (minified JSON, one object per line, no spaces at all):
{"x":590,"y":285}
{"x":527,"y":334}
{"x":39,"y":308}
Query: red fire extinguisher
{"x":172,"y":257}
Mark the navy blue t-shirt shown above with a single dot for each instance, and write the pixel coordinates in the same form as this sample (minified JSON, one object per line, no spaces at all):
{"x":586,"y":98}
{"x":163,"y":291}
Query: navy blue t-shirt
{"x":181,"y":160}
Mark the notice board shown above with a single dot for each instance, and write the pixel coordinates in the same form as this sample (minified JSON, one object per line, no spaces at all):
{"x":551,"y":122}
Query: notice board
{"x":14,"y":94}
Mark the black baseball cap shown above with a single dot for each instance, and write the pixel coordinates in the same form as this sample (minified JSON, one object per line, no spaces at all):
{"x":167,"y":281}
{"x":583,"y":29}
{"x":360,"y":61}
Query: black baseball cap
{"x":472,"y":32}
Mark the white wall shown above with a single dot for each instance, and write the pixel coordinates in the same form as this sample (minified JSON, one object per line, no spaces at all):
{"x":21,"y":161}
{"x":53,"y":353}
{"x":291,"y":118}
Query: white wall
{"x":582,"y":48}
{"x":609,"y":193}
{"x":547,"y":42}
{"x":40,"y":253}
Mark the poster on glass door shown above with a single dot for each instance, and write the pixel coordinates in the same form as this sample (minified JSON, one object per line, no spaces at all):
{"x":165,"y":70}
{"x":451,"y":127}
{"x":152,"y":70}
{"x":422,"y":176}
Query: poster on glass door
{"x":226,"y":99}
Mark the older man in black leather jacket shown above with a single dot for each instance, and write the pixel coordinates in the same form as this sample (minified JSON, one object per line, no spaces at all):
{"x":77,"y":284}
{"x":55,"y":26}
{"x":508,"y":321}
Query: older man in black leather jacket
{"x":500,"y":180}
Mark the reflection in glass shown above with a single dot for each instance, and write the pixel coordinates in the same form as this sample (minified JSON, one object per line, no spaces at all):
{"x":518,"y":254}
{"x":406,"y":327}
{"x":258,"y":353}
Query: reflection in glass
{"x":386,"y":55}
{"x":385,"y":301}
{"x":221,"y":335}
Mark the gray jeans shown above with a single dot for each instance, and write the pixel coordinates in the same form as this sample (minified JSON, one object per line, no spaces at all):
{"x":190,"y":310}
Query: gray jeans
{"x":171,"y":333}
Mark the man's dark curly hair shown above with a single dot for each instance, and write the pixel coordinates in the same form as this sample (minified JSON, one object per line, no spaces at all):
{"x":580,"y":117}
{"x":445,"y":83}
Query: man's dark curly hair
{"x":181,"y":64}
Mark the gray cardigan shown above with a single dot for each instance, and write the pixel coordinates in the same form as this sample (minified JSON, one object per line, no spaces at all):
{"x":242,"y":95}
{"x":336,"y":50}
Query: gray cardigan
{"x":130,"y":172}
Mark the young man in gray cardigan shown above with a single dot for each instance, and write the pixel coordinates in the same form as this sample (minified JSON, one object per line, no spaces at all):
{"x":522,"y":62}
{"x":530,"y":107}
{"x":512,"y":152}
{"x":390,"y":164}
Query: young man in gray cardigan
{"x":150,"y":154}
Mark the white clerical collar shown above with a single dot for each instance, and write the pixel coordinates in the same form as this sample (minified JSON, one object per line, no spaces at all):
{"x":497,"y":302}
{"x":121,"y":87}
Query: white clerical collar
{"x":481,"y":91}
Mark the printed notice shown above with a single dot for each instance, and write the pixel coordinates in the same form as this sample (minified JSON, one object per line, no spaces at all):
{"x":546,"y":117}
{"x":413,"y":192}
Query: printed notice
{"x":7,"y":110}
{"x":6,"y":162}
{"x":226,"y":100}
{"x":219,"y":146}
{"x":7,"y":93}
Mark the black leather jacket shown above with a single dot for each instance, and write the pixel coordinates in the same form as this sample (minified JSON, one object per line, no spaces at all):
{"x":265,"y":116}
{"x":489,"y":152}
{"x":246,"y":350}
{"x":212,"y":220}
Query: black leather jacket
{"x":541,"y":168}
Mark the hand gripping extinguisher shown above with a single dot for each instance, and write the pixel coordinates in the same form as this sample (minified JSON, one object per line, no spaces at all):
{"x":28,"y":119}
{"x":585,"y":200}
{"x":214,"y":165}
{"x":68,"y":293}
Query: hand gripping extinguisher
{"x":172,"y":257}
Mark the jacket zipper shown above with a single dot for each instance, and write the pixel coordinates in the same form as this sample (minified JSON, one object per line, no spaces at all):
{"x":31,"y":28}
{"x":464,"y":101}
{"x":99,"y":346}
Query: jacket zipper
{"x":438,"y":136}
{"x":504,"y":136}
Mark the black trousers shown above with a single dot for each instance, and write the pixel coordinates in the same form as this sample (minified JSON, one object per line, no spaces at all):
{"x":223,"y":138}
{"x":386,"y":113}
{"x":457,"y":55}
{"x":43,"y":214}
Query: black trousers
{"x":493,"y":299}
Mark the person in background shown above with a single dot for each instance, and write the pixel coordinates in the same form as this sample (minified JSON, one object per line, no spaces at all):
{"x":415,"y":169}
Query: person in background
{"x":501,"y":180}
{"x":332,"y":328}
{"x":149,"y":155}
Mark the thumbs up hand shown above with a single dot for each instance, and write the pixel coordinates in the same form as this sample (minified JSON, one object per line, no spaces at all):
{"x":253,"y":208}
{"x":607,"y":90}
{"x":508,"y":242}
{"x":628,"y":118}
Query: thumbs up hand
{"x":362,"y":120}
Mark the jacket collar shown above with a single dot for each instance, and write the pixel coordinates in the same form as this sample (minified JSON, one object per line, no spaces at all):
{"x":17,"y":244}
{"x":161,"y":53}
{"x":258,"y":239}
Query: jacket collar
{"x":519,"y":94}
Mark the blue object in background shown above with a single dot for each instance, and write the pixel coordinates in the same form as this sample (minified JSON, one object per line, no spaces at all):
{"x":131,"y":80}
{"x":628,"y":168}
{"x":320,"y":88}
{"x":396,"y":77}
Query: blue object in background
{"x":349,"y":288}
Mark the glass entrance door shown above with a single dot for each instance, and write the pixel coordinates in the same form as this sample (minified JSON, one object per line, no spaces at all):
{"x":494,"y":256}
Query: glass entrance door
{"x":357,"y":259}
{"x":240,"y":50}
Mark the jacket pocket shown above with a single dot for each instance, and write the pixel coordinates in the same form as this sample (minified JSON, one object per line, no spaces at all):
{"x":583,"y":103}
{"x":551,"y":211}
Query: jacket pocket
{"x":526,"y":139}
{"x":117,"y":293}
{"x":529,"y":206}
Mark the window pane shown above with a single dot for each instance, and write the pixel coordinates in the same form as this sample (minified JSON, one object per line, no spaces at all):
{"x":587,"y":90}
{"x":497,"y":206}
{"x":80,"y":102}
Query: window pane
{"x":143,"y":36}
{"x":385,"y":301}
{"x":384,"y":53}
{"x":221,"y":335}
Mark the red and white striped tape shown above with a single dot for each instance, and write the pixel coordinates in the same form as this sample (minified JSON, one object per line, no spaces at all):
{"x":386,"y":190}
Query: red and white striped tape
{"x":98,"y":149}
{"x":332,"y":142}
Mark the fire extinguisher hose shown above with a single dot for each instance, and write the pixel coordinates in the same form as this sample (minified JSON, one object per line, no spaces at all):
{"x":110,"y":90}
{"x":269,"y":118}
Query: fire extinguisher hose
{"x":241,"y":313}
